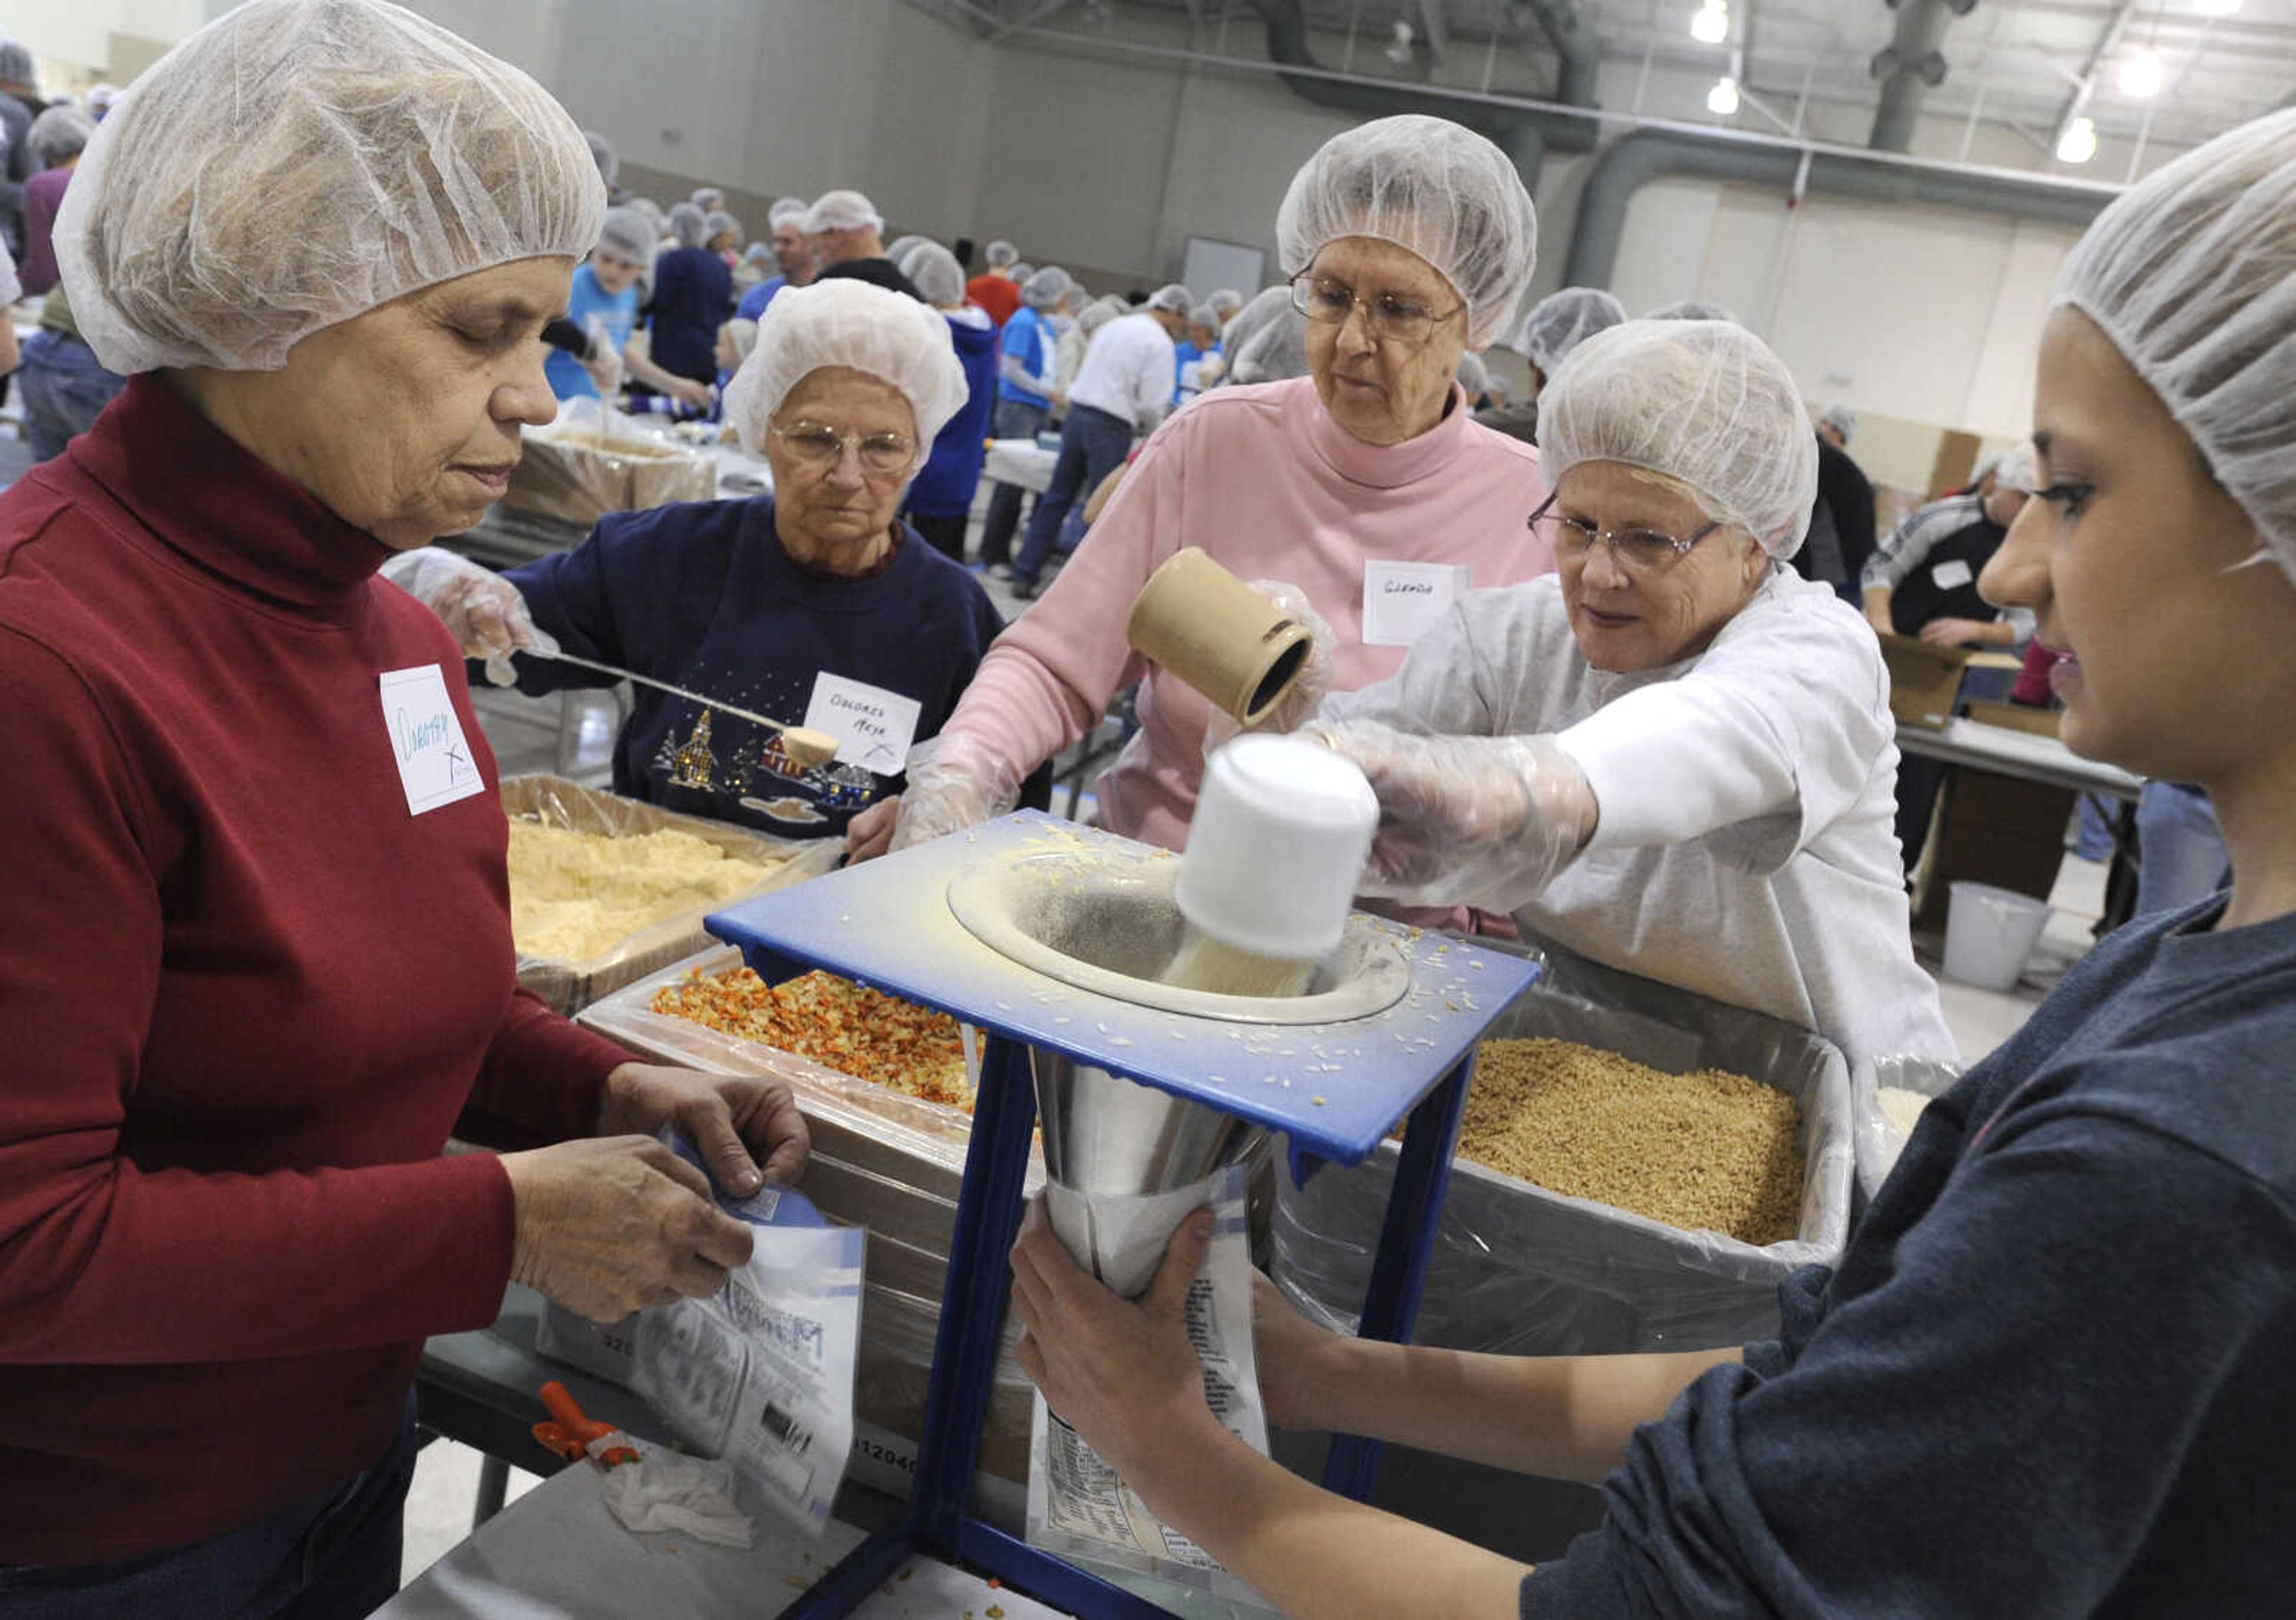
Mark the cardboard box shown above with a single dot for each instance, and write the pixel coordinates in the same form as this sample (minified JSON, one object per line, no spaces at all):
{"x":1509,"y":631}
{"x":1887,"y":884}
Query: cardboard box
{"x":1924,"y":681}
{"x":2004,"y":830}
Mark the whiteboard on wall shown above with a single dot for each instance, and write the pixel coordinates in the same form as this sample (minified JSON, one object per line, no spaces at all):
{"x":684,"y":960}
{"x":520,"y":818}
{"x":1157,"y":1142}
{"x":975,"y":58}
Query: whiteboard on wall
{"x":1211,"y":266}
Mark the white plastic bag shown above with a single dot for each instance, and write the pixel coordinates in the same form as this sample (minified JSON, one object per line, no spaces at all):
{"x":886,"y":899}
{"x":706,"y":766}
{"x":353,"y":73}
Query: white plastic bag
{"x":1077,"y":1506}
{"x":761,"y":1373}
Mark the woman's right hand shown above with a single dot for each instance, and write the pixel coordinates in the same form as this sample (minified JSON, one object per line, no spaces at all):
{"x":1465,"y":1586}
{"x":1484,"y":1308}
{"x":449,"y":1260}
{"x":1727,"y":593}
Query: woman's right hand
{"x":698,"y":395}
{"x":483,"y":612}
{"x":613,"y":1224}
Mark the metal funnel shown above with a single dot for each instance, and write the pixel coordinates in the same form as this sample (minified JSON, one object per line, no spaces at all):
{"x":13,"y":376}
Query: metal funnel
{"x":1107,"y":1134}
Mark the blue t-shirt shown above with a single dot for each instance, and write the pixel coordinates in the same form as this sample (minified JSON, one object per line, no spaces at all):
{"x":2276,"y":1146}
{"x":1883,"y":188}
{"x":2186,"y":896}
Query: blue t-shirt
{"x":2051,"y":1375}
{"x":619,"y":311}
{"x":1027,"y":340}
{"x":753,"y":303}
{"x":700,"y":595}
{"x":943,"y":487}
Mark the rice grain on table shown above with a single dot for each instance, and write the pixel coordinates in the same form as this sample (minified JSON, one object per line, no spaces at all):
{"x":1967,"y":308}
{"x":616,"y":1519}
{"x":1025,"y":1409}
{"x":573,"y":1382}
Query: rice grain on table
{"x":1708,"y":1151}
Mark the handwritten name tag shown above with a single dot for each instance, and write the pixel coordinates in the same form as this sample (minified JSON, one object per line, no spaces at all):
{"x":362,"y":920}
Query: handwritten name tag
{"x":874,"y":727}
{"x":435,"y":764}
{"x":1403,"y":600}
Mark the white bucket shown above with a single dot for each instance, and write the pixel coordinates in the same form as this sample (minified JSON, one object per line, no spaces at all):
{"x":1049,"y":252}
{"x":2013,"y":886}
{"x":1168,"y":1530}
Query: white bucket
{"x":1989,"y":933}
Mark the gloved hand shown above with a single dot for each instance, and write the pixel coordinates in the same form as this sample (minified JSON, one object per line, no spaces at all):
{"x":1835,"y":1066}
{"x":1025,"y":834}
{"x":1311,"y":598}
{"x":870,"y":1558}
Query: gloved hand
{"x":602,"y":360}
{"x":1307,"y":693}
{"x":954,"y":783}
{"x":1482,"y":821}
{"x":484,"y":611}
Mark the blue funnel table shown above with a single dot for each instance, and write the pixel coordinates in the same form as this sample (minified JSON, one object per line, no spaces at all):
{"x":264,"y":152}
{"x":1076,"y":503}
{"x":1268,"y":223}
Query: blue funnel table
{"x":1335,"y":1089}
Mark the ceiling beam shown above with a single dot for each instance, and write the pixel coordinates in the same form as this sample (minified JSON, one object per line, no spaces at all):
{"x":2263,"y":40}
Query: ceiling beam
{"x":2084,"y":85}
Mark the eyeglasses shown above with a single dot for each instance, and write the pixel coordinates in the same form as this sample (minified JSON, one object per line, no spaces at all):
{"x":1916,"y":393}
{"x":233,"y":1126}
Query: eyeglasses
{"x":1633,"y":547}
{"x":1386,"y":317}
{"x":820,"y":447}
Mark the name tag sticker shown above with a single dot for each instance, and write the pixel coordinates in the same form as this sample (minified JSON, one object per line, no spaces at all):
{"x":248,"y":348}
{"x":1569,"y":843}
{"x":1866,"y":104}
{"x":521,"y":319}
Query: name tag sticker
{"x":435,"y":764}
{"x":874,"y":727}
{"x":1403,"y":600}
{"x":1950,"y":576}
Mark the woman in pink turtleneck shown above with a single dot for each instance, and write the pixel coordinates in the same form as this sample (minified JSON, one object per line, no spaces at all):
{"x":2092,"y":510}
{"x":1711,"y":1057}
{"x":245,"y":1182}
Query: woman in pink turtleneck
{"x":1413,"y":239}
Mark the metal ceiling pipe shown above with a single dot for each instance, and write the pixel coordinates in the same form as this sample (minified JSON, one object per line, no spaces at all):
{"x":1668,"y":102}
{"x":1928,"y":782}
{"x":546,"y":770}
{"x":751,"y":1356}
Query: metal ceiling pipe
{"x":1579,"y":53}
{"x":1525,"y":133}
{"x":1634,"y":161}
{"x":1909,"y":67}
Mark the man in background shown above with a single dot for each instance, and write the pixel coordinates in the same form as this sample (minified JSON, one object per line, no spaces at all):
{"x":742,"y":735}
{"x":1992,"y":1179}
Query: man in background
{"x":844,"y":231}
{"x":792,"y":259}
{"x":995,"y":288}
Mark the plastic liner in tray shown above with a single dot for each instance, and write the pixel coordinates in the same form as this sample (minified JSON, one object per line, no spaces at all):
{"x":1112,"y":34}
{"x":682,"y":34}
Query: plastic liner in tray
{"x":1876,"y":1140}
{"x":581,"y":467}
{"x":1517,"y":1269}
{"x":569,"y":987}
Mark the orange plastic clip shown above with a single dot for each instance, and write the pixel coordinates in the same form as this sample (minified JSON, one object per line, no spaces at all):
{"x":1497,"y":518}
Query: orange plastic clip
{"x":571,"y":1431}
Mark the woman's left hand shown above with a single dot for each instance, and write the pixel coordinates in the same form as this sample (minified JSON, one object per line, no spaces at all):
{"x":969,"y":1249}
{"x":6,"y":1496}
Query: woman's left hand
{"x":1121,"y":1372}
{"x":869,"y":834}
{"x":738,"y":1122}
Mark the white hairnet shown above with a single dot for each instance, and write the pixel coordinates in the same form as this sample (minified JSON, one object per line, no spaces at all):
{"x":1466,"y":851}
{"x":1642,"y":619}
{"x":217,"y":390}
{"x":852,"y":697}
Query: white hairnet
{"x":1841,"y":419}
{"x":2192,"y":275}
{"x":1001,"y":255}
{"x":629,"y":234}
{"x":1022,"y":273}
{"x":1227,"y":300}
{"x":1562,"y":321}
{"x":743,"y":335}
{"x":1097,"y":314}
{"x":298,"y":162}
{"x":602,"y":153}
{"x":1276,"y":351}
{"x":101,"y":94}
{"x":1690,"y":309}
{"x":1474,"y":376}
{"x":706,"y":197}
{"x":1047,"y":287}
{"x":787,"y":209}
{"x":843,"y":321}
{"x":689,"y":226}
{"x":58,"y":133}
{"x":1704,"y":402}
{"x":1207,"y":317}
{"x":722,"y":223}
{"x":1430,"y":186}
{"x":842,"y":211}
{"x":1172,"y":298}
{"x":15,"y":62}
{"x":2018,"y":468}
{"x":900,"y":247}
{"x":936,"y":273}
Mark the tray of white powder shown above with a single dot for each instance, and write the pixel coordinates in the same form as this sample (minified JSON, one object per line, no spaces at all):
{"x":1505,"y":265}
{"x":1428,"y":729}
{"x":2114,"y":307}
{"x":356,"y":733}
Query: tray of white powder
{"x":1886,"y":1099}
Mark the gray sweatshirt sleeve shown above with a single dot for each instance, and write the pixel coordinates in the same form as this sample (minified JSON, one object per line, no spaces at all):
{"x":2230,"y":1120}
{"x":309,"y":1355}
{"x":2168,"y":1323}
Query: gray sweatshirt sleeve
{"x":1906,"y":546}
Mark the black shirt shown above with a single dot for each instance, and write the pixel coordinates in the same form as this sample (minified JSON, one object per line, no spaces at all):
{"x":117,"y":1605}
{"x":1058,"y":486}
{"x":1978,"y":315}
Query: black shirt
{"x":877,"y":273}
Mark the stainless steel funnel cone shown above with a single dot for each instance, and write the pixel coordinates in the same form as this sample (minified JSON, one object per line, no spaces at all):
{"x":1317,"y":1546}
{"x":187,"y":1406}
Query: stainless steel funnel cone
{"x":1106,"y":1134}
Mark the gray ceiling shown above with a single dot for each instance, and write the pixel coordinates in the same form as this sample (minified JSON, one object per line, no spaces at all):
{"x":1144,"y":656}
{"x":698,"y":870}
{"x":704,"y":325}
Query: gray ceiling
{"x":2024,"y":57}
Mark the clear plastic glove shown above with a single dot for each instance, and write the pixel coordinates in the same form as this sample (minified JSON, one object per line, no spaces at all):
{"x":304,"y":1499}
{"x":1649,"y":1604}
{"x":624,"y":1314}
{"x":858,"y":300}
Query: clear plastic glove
{"x":954,"y":783}
{"x":602,"y":360}
{"x":613,"y":1224}
{"x":1298,"y":705}
{"x":1482,"y":821}
{"x":482,"y":610}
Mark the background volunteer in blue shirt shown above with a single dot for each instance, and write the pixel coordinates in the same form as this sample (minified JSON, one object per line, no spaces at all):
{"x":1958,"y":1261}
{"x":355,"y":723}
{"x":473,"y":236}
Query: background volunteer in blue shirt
{"x":604,"y":298}
{"x":792,"y":259}
{"x":940,"y":503}
{"x":2049,"y":1377}
{"x":1024,"y":399}
{"x":692,"y":296}
{"x":813,"y":605}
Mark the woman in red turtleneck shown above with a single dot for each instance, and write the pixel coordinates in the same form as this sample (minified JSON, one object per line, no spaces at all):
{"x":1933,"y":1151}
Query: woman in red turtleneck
{"x":256,"y":961}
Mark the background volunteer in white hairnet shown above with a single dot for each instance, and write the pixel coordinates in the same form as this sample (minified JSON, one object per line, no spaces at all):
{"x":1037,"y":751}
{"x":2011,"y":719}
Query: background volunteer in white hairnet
{"x":814,"y":605}
{"x":793,"y":258}
{"x":1556,"y":325}
{"x":1124,"y":389}
{"x":2094,"y":1224}
{"x":1674,"y":755}
{"x":260,"y":936}
{"x":1411,"y":240}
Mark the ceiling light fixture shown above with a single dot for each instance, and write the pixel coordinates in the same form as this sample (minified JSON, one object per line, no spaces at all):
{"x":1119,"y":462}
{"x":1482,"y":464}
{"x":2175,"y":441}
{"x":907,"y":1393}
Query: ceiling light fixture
{"x":1711,"y":24}
{"x":2142,"y":74}
{"x":1723,"y":99}
{"x":2077,"y":144}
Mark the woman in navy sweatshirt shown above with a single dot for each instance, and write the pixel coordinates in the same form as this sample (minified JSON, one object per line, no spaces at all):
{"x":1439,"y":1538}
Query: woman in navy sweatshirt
{"x":2049,"y":1378}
